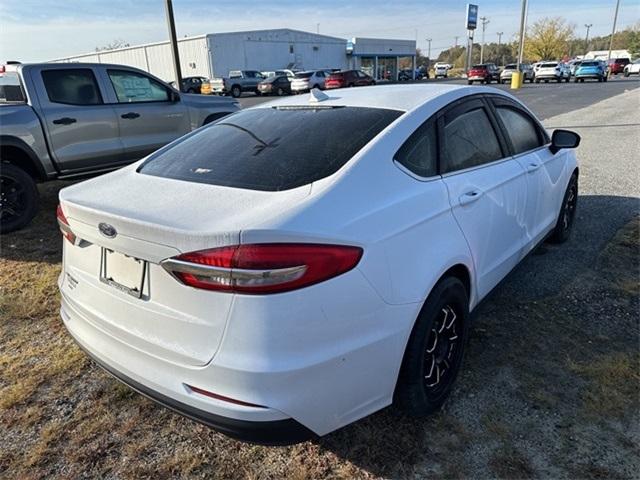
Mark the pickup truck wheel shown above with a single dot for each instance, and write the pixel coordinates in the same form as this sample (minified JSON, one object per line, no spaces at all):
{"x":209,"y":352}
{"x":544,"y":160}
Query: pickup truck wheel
{"x":435,"y":349}
{"x":236,"y":91}
{"x":18,"y":198}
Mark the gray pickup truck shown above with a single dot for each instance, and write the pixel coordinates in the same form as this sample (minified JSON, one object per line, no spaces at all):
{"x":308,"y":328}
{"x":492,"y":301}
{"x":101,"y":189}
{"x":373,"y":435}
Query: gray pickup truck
{"x":69,"y":120}
{"x":238,"y":82}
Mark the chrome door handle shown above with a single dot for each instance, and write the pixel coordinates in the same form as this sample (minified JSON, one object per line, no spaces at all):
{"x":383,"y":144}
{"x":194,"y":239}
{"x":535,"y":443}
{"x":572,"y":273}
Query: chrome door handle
{"x":470,"y":197}
{"x":532,"y":167}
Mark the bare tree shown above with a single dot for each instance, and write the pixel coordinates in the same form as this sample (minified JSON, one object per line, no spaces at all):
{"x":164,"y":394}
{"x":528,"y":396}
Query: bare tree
{"x":117,"y":43}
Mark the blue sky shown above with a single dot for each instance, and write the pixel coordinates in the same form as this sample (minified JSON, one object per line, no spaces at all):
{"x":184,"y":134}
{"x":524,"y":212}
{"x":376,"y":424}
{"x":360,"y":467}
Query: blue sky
{"x":35,"y":30}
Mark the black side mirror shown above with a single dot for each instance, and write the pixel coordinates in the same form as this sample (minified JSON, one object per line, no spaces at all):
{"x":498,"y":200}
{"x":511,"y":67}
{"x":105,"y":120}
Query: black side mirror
{"x":174,"y":96}
{"x":563,"y":139}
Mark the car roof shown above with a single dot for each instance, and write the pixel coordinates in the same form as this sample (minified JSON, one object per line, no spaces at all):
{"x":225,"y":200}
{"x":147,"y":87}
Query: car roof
{"x":394,"y":97}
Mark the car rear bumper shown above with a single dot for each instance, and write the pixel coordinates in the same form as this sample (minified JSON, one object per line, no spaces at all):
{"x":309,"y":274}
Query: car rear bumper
{"x":292,"y":365}
{"x":548,"y":76}
{"x":273,"y":432}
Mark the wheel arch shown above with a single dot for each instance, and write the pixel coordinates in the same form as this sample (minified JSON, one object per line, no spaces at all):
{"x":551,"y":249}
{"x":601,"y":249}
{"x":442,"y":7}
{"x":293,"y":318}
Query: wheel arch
{"x":18,"y":153}
{"x":214,"y":116}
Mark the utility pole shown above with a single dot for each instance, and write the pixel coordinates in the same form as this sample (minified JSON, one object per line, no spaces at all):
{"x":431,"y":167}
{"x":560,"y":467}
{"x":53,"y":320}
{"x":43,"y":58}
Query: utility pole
{"x":484,"y":21}
{"x":455,"y":45}
{"x":523,"y":16}
{"x":613,"y":32}
{"x":586,"y":38}
{"x":499,"y":43}
{"x":173,"y":40}
{"x":429,"y":51}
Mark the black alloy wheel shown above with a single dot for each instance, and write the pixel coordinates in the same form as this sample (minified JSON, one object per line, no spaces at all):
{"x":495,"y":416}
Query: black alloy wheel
{"x":566,"y":217}
{"x":18,"y":198}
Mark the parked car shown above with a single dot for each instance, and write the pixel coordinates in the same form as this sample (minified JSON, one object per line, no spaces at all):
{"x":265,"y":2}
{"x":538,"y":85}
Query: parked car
{"x":441,"y":70}
{"x":286,"y":72}
{"x":216,"y":277}
{"x":64,"y":120}
{"x":348,"y":78}
{"x":199,"y":85}
{"x":590,"y":69}
{"x":507,"y":72}
{"x":616,"y":65}
{"x":556,"y":71}
{"x":483,"y":73}
{"x":573,"y":65}
{"x":280,"y":85}
{"x":407,"y":74}
{"x":305,"y":81}
{"x":238,"y":82}
{"x":632,"y":68}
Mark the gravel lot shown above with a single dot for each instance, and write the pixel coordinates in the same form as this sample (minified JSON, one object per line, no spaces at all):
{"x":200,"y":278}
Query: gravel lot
{"x":550,"y":386}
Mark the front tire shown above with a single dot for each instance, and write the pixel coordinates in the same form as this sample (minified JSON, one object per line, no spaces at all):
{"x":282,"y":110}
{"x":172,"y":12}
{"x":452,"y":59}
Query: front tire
{"x":435,"y":350}
{"x":18,"y":198}
{"x":562,"y":230}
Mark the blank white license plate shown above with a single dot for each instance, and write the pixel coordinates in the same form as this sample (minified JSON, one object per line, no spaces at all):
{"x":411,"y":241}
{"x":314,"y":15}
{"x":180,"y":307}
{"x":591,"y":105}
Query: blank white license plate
{"x":123,"y":272}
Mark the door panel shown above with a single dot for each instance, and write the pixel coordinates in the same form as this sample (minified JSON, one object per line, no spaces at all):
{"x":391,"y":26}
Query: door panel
{"x":489,"y":204}
{"x":147,"y":117}
{"x":82,"y":131}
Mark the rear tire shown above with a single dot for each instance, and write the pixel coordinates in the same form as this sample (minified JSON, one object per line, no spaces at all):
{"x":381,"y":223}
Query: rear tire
{"x":279,"y":92}
{"x":469,"y":82}
{"x":562,"y":230}
{"x":236,"y":91}
{"x":435,"y":350}
{"x":18,"y":198}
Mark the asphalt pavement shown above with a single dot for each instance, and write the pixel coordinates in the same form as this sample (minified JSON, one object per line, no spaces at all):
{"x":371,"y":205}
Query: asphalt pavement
{"x":544,"y":99}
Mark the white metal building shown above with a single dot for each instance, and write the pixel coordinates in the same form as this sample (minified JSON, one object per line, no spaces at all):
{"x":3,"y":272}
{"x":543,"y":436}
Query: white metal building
{"x":215,"y":54}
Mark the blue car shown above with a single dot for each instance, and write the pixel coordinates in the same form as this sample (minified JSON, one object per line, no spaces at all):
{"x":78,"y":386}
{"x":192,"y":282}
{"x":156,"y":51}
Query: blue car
{"x":590,"y":69}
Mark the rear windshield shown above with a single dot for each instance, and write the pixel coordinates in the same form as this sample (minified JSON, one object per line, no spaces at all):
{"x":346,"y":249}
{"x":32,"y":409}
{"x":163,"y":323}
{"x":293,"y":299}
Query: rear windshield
{"x":304,"y":74}
{"x":549,"y":65}
{"x":510,"y":67}
{"x":589,"y":64}
{"x":271,"y":149}
{"x":480,"y":67}
{"x":11,"y":88}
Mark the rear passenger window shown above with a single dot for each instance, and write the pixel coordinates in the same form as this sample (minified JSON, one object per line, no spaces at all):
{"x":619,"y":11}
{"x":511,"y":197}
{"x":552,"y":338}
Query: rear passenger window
{"x":521,"y":130}
{"x":469,"y":141}
{"x":76,"y":86}
{"x":419,"y":153}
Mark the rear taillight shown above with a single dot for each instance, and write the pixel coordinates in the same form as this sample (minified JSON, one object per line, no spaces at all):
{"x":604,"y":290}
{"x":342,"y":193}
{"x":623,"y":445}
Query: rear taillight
{"x":262,"y":268}
{"x":63,"y":224}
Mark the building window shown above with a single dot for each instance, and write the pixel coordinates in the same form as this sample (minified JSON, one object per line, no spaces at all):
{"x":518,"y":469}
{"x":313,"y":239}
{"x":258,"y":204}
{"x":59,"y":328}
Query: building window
{"x":290,"y":48}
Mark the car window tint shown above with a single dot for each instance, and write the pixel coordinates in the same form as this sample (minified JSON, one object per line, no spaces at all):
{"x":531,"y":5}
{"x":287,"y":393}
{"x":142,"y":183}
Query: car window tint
{"x":469,"y":140}
{"x":76,"y":86}
{"x":271,"y":149}
{"x":133,"y":87}
{"x":419,"y":153}
{"x":521,"y":130}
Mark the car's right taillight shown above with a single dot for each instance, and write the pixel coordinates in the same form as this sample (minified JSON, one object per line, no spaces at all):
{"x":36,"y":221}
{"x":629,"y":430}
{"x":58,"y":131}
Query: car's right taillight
{"x":262,"y":268}
{"x":63,"y":224}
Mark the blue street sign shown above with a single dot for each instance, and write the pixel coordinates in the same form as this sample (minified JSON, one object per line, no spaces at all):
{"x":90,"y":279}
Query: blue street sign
{"x":472,"y":16}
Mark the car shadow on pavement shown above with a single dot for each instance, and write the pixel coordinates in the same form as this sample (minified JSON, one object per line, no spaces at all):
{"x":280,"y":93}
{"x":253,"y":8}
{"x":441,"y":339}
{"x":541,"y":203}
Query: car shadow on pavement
{"x":488,"y":421}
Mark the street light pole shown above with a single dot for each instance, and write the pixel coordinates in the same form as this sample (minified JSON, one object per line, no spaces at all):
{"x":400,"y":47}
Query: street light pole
{"x":499,"y":43}
{"x":613,"y":32}
{"x":173,"y":40}
{"x":586,"y":38}
{"x":523,"y":15}
{"x":484,"y":21}
{"x":428,"y":52}
{"x":455,"y":45}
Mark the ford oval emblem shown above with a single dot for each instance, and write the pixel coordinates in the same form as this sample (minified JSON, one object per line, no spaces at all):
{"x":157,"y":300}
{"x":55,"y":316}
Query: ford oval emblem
{"x":107,"y":230}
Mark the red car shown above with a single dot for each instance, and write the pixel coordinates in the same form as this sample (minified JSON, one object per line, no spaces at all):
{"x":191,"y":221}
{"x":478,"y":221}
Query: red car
{"x":348,"y":78}
{"x":616,"y":65}
{"x":483,"y":73}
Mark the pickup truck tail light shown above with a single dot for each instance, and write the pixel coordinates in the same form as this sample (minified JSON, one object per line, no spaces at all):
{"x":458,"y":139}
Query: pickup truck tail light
{"x":262,"y":268}
{"x":65,"y":229}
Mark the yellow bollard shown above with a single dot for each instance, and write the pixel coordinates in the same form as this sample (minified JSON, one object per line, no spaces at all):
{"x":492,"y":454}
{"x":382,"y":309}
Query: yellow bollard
{"x":516,"y":80}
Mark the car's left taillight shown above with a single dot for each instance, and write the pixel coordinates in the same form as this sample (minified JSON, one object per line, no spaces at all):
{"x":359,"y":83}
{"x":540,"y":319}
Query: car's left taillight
{"x":262,"y":268}
{"x":63,"y":224}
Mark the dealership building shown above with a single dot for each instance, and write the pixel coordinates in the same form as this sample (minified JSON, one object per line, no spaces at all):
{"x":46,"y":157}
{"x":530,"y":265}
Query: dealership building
{"x":215,"y":54}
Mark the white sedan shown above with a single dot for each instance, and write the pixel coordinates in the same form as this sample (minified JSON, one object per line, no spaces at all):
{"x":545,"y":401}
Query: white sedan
{"x":299,"y":265}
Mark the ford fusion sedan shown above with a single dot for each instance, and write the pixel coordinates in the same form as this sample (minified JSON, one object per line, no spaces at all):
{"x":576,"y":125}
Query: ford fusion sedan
{"x":296,"y":266}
